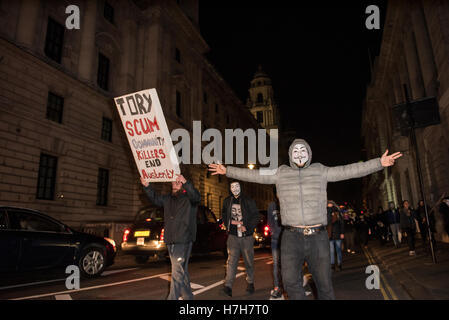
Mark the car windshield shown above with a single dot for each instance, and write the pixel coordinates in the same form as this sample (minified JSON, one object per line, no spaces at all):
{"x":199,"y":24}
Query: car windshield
{"x":150,"y":214}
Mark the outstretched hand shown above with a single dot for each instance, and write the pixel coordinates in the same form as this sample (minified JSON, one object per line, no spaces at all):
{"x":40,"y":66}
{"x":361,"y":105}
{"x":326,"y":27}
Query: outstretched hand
{"x":217,"y":169}
{"x":388,"y":160}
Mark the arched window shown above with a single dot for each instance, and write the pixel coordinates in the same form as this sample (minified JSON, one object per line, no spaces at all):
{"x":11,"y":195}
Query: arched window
{"x":259,"y":98}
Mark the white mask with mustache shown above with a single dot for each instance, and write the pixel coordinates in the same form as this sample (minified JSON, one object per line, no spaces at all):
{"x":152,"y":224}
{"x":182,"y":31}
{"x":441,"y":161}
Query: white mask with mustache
{"x":235,"y":189}
{"x":300,"y":155}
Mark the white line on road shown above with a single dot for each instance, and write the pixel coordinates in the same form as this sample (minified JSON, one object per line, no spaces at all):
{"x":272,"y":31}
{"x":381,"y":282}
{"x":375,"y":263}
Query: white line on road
{"x":63,"y":297}
{"x":270,"y":262}
{"x":215,"y":284}
{"x":107,"y":273}
{"x":192,"y":285}
{"x":30,"y":284}
{"x":240,"y":268}
{"x":90,"y":288}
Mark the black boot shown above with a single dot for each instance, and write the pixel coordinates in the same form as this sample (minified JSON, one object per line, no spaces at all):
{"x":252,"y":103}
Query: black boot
{"x":227,"y":291}
{"x":250,"y":288}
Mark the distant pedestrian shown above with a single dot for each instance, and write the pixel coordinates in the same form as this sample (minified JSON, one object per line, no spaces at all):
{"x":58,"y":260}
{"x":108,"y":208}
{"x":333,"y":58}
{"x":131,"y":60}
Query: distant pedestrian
{"x":274,"y":223}
{"x":444,"y":212}
{"x":408,"y":225}
{"x":240,"y":216}
{"x":381,"y":225}
{"x":336,"y":234}
{"x":363,"y":230}
{"x":420,"y":216}
{"x":393,"y":220}
{"x":180,"y":209}
{"x":349,"y":232}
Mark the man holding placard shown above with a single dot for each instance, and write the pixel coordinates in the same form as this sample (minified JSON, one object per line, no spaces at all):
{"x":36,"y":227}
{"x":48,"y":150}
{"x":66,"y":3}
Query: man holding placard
{"x":150,"y":142}
{"x":179,"y":230}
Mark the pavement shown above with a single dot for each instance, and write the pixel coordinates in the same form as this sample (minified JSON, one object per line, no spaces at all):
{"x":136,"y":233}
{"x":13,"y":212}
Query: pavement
{"x":420,"y":278}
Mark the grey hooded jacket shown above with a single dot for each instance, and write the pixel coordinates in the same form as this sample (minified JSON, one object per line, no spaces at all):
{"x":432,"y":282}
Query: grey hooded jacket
{"x":302,"y":191}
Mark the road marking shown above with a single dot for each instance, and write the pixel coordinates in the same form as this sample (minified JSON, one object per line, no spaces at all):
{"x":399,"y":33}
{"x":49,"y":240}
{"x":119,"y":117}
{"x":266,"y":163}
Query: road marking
{"x":91,"y":288}
{"x":270,"y":262}
{"x":390,"y":290}
{"x":192,"y":285}
{"x":216,"y":284}
{"x":30,"y":284}
{"x":241,"y":268}
{"x":107,"y":273}
{"x":63,"y":297}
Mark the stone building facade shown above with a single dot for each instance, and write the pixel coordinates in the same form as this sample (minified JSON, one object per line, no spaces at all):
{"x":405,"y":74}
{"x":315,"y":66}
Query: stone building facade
{"x":63,"y":148}
{"x":415,"y":53}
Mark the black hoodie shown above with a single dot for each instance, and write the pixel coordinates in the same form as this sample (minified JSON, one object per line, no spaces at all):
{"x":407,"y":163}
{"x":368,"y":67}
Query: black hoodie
{"x":250,"y":214}
{"x":179,"y":212}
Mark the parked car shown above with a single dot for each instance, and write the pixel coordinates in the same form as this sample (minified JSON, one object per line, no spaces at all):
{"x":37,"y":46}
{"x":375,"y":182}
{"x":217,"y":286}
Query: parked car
{"x":31,"y":240}
{"x":262,"y":234}
{"x":145,"y":237}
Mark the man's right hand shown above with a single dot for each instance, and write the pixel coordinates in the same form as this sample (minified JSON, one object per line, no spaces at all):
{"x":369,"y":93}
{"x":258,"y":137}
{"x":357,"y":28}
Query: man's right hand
{"x":217,"y":169}
{"x":144,"y":182}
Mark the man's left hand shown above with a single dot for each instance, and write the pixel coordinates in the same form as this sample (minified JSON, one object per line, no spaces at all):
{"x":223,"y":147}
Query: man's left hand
{"x":180,"y":178}
{"x":388,"y":160}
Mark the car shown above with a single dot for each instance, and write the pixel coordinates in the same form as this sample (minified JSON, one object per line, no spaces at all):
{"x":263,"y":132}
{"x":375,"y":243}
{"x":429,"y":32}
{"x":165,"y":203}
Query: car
{"x":145,"y":237}
{"x":32,"y":240}
{"x":262,"y":234}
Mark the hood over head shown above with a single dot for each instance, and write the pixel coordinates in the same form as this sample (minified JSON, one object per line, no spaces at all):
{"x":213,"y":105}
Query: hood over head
{"x":290,"y":150}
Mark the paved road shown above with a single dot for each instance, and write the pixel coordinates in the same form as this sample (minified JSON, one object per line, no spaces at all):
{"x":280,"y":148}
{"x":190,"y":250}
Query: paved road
{"x":127,"y":280}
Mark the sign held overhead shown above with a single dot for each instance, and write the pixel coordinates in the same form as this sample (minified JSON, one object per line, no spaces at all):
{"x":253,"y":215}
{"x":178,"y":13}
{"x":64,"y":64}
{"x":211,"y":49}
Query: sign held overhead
{"x":148,"y":135}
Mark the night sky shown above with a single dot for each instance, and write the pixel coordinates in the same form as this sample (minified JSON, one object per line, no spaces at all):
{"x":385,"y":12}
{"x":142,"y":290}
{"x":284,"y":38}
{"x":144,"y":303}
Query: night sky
{"x":317,"y":57}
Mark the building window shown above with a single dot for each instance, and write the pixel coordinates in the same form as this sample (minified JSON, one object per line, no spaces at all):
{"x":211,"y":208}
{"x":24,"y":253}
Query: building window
{"x":55,"y":105}
{"x":227,"y":119}
{"x":178,"y":104}
{"x":108,"y":12}
{"x":205,"y":97}
{"x":106,"y":130}
{"x":47,"y":177}
{"x":103,"y":72}
{"x":259,"y":98}
{"x":102,"y":187}
{"x":259,"y":116}
{"x":54,"y":40}
{"x":177,"y":55}
{"x":216,"y":108}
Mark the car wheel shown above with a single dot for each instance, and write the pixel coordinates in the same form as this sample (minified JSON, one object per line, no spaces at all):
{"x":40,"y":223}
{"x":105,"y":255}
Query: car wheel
{"x":92,"y":261}
{"x":141,"y":259}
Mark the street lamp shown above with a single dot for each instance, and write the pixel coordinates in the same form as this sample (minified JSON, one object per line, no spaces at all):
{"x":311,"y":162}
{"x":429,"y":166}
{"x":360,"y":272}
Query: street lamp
{"x":251,"y":166}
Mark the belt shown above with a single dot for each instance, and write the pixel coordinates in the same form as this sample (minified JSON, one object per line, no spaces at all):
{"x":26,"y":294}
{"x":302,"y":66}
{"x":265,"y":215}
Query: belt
{"x":306,"y":231}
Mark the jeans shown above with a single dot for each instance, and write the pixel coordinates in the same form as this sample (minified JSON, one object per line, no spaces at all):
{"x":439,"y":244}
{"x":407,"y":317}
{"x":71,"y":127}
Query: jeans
{"x":180,"y":279}
{"x":276,"y":262}
{"x":395,"y":233}
{"x":333,"y":244}
{"x":236,"y":246}
{"x":314,"y":249}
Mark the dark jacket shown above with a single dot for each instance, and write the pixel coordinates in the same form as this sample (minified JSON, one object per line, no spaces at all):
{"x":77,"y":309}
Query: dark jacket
{"x":335,"y":222}
{"x":250,"y":214}
{"x":407,"y":222}
{"x":274,"y":220}
{"x":179,"y":213}
{"x":393,"y":216}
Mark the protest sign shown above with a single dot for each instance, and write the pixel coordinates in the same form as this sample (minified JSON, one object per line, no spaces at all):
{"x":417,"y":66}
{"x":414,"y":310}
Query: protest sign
{"x":148,"y":135}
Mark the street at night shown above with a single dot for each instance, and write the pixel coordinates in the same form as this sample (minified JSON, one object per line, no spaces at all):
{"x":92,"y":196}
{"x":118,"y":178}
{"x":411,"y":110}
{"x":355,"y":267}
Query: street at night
{"x":128,"y":281}
{"x":212,"y":153}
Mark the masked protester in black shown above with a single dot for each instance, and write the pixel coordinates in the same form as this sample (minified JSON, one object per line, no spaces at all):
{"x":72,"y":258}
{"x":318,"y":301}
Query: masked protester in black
{"x":240,"y":216}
